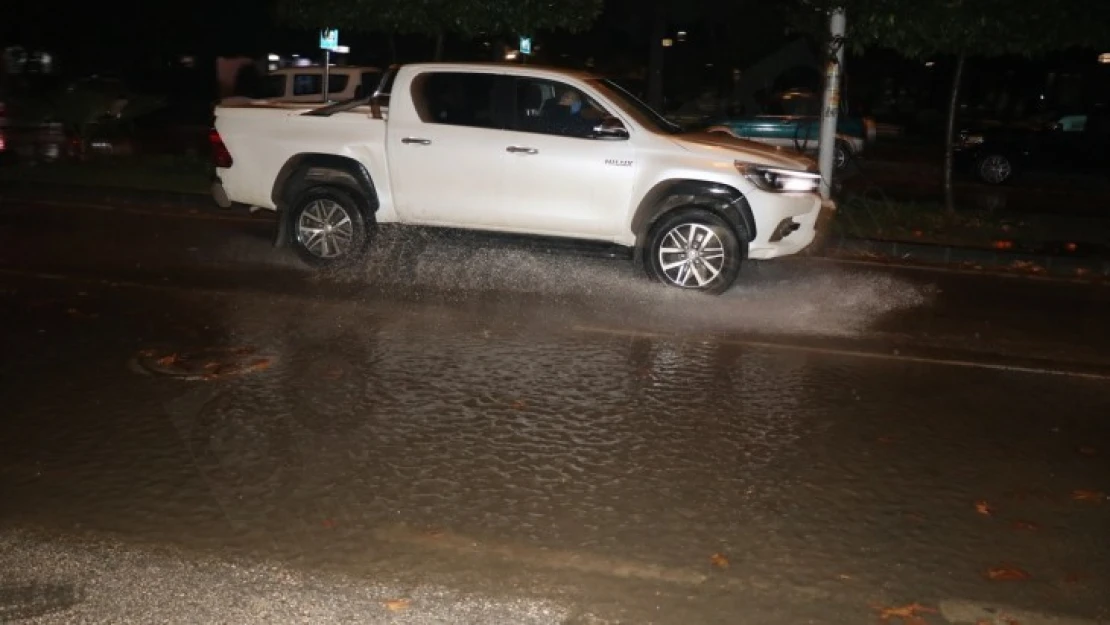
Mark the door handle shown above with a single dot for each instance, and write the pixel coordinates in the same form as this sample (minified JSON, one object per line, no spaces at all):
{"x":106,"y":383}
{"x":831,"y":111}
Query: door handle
{"x":516,"y":149}
{"x":408,"y":140}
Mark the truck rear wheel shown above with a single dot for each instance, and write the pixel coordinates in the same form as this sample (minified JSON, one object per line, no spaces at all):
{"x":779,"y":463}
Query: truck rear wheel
{"x":694,"y":249}
{"x":328,"y":227}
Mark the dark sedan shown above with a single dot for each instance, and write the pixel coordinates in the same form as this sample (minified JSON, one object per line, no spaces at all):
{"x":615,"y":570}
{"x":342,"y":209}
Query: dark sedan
{"x":1077,"y":143}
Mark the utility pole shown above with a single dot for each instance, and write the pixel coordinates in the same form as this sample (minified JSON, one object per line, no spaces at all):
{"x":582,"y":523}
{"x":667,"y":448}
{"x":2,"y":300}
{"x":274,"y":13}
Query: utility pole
{"x":656,"y":59}
{"x":830,"y":109}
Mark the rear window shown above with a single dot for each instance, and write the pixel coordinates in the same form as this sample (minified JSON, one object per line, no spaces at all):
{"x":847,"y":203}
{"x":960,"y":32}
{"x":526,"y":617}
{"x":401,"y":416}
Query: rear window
{"x":312,"y":84}
{"x":458,"y":99}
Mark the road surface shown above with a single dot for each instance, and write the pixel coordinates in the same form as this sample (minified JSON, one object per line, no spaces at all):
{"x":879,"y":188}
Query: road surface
{"x":198,"y":430}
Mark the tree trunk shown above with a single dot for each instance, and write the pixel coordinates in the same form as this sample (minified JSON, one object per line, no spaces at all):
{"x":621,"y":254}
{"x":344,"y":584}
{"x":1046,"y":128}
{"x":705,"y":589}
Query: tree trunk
{"x":949,"y":140}
{"x":655,"y":60}
{"x":439,"y":46}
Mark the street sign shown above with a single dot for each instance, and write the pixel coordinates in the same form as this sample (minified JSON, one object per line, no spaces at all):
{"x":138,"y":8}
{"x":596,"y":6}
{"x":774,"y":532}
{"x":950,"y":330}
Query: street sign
{"x":526,"y":45}
{"x":329,"y":39}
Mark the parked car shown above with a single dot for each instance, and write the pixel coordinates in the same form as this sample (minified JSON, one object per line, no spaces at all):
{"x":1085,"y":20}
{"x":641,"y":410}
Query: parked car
{"x":1074,"y":143}
{"x":501,"y":148}
{"x":306,"y":84}
{"x":793,"y":121}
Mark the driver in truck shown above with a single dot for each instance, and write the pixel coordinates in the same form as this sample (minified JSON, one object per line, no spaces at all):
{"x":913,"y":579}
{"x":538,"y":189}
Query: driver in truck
{"x":566,"y":117}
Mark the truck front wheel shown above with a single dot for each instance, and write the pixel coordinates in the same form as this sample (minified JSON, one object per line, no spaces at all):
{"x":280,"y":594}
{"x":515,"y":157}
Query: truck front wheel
{"x":694,"y":249}
{"x":328,"y":227}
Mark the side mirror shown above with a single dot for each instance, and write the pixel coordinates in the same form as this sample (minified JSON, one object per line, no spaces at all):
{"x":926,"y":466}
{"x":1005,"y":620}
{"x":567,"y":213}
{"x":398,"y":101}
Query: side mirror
{"x":611,"y":128}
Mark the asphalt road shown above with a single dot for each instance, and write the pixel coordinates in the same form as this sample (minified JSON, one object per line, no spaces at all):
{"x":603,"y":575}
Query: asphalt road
{"x":199,"y":430}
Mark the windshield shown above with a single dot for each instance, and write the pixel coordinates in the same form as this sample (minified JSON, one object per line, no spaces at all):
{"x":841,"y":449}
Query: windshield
{"x":642,"y":113}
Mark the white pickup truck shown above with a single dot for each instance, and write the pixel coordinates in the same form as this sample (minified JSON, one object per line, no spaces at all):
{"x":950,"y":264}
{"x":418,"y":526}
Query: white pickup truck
{"x":516,"y":149}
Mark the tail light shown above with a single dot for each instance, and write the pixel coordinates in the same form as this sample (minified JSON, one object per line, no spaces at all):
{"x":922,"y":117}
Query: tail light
{"x":220,"y":156}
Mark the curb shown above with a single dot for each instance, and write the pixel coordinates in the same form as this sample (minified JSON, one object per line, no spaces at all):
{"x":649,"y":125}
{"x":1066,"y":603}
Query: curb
{"x":829,"y":246}
{"x":968,"y":258}
{"x":22,"y":190}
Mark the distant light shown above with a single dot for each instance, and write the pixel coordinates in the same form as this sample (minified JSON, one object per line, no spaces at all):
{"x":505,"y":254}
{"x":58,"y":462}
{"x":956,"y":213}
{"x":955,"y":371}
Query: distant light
{"x":342,"y":49}
{"x":668,"y":42}
{"x":510,"y":56}
{"x":275,"y":57}
{"x":682,"y":35}
{"x":1104,"y":58}
{"x":930,"y":63}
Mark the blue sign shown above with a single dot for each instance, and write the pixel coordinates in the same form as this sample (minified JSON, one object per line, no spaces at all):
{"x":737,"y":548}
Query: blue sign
{"x":329,"y":39}
{"x":526,"y":45}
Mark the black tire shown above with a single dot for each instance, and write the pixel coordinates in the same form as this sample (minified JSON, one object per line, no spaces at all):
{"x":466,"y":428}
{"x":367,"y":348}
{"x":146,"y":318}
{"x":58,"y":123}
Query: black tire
{"x":994,"y":168}
{"x":842,"y":155}
{"x":318,"y":254}
{"x":662,"y":236}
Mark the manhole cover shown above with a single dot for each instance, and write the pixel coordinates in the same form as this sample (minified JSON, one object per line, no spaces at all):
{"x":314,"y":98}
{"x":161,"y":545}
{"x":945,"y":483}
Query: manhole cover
{"x":207,"y":363}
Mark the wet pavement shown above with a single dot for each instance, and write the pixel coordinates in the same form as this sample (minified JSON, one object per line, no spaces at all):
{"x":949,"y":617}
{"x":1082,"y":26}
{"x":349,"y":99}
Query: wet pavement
{"x":197,"y":428}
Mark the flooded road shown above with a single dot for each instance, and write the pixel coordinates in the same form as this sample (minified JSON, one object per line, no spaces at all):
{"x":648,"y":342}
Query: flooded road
{"x":480,"y":435}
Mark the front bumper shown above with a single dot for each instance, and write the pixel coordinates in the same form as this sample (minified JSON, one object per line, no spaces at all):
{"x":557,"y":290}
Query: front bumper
{"x":786,"y":223}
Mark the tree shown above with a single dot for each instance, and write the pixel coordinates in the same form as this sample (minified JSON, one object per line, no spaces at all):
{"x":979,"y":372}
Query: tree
{"x":969,"y":28}
{"x":436,"y":18}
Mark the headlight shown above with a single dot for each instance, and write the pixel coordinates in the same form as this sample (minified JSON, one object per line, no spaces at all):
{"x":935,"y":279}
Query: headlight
{"x":780,"y":180}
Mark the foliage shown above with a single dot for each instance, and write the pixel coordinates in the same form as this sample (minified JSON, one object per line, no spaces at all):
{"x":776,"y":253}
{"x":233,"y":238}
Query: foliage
{"x":431,"y":17}
{"x":972,"y":27}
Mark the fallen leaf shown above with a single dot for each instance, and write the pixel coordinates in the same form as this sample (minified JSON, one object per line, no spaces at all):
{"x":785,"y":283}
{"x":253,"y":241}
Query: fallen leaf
{"x":1007,"y":573}
{"x":1074,"y":578}
{"x":260,"y":365}
{"x":519,"y":404}
{"x":719,"y":560}
{"x":1087,"y":450}
{"x":147,"y":353}
{"x":887,"y":439}
{"x":396,"y":605}
{"x":983,"y":508}
{"x":910,"y":614}
{"x":328,"y":523}
{"x":1025,"y":526}
{"x":166,"y":361}
{"x":1088,"y":495}
{"x":212,"y":365}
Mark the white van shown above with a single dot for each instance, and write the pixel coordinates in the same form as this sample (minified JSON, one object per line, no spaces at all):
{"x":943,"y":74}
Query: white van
{"x":305,"y":84}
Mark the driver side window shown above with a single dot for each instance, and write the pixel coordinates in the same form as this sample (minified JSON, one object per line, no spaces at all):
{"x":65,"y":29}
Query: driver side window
{"x":554,"y":108}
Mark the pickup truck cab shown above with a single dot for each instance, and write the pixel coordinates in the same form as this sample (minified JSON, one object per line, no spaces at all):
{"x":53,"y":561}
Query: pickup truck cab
{"x":516,"y":149}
